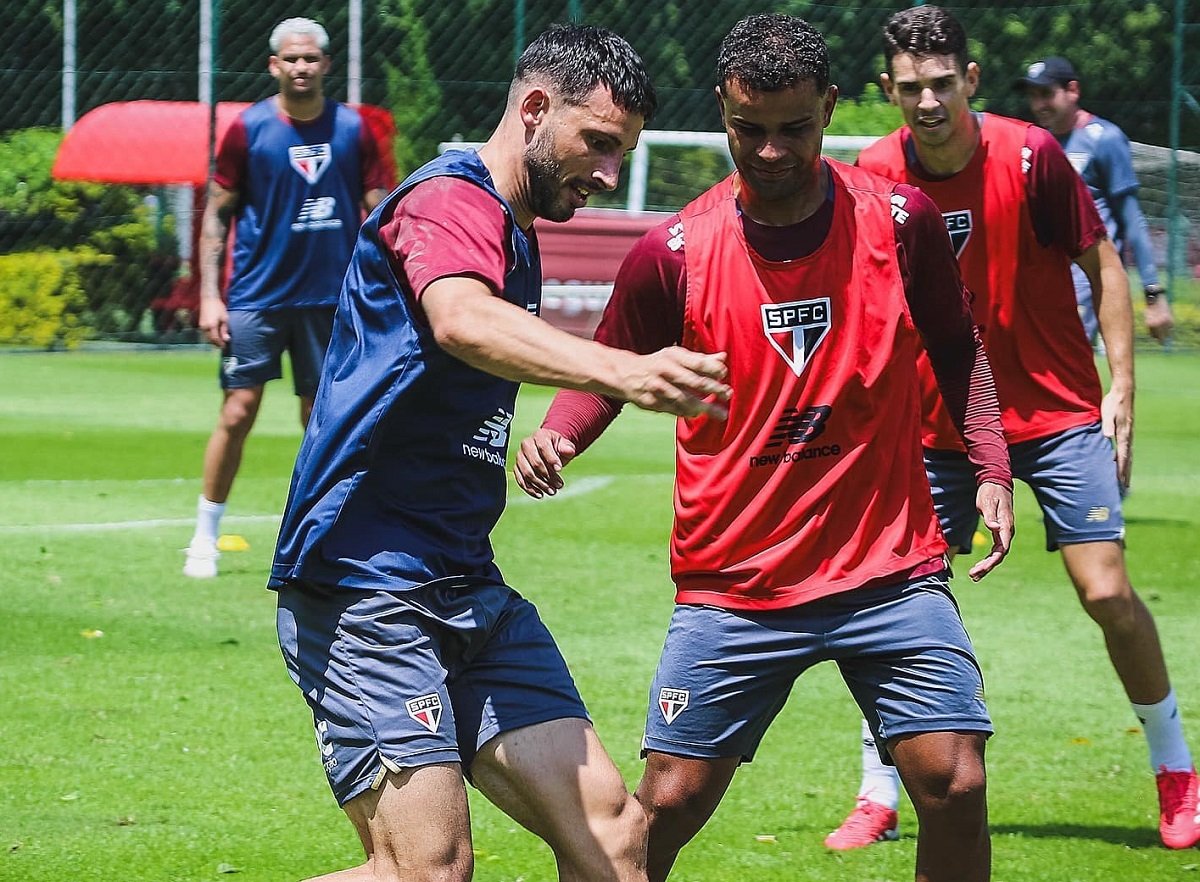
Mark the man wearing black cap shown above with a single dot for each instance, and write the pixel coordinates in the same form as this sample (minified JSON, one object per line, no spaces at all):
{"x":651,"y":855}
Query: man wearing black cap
{"x":1099,"y":151}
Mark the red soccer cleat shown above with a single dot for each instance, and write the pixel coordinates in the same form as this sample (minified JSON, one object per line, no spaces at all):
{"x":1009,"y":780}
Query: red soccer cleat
{"x":1179,"y":815}
{"x":871,"y":822}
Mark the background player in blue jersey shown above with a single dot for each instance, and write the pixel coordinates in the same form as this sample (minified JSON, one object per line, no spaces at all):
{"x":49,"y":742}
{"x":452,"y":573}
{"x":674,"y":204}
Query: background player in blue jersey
{"x":296,"y":171}
{"x":1099,"y":151}
{"x":420,"y":664}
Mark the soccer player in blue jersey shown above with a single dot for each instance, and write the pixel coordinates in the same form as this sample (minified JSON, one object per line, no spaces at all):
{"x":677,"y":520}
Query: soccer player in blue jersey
{"x":1099,"y":151}
{"x":421,"y":666}
{"x":296,"y":171}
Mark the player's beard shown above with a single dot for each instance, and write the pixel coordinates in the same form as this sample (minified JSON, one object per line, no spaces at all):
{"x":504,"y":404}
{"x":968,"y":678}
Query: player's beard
{"x":546,"y":190}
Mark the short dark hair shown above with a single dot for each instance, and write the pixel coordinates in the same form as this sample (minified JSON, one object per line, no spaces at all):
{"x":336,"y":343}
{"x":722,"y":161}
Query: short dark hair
{"x":769,"y":52}
{"x":925,"y":30}
{"x":578,"y":58}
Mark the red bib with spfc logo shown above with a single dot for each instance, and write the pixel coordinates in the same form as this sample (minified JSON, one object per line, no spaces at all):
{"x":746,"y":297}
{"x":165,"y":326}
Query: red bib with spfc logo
{"x":1024,"y":299}
{"x":815,"y":484}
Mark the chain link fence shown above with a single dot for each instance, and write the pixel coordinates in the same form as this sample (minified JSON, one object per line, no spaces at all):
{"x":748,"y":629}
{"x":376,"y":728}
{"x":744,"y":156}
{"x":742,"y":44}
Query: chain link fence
{"x":81,"y":259}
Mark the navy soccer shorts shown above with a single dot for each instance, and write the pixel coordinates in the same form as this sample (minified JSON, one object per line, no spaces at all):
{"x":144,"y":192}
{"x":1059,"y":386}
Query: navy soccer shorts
{"x":1072,"y":475}
{"x":257,"y":340}
{"x":410,"y":678}
{"x":902,"y":649}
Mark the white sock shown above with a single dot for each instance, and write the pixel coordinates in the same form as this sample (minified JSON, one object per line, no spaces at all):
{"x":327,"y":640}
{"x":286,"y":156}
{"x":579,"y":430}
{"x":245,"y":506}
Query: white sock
{"x":208,"y":520}
{"x":1163,"y":725}
{"x":880,"y":783}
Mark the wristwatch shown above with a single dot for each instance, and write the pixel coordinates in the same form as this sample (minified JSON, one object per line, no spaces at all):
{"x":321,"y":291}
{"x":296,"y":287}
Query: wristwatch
{"x":1153,"y":292}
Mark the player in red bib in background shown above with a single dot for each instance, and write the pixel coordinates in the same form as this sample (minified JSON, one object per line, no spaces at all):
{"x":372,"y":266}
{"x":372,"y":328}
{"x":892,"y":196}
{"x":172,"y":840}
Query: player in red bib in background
{"x":1019,"y":215}
{"x":804,"y":527}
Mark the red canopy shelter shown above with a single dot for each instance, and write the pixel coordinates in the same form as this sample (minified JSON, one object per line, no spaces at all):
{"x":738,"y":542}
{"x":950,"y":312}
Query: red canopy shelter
{"x":167,"y":142}
{"x":162,"y":142}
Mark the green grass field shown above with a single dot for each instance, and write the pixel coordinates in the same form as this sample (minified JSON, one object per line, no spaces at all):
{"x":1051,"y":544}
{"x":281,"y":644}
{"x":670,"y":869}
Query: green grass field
{"x":149,"y":731}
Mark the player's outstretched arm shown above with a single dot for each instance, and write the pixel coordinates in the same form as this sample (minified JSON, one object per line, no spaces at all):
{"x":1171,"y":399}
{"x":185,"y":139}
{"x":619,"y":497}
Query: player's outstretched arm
{"x":995,"y":506}
{"x":493,"y":335}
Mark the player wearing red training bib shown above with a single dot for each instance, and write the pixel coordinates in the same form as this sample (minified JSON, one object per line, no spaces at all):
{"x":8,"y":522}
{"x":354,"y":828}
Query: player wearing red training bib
{"x":804,"y":528}
{"x":1020,"y":216}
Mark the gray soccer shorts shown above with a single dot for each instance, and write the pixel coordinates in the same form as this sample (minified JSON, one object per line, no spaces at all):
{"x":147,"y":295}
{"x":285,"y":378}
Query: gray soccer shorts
{"x":902,"y":649}
{"x":410,"y":678}
{"x":257,"y":340}
{"x":1072,"y":475}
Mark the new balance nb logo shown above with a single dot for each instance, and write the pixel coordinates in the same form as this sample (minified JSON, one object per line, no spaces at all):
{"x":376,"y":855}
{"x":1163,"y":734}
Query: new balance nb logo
{"x":1098,"y":514}
{"x":800,"y":426}
{"x":672,"y":702}
{"x":328,"y":760}
{"x":494,"y":430}
{"x":796,"y":329}
{"x":317,"y":214}
{"x":491,"y":440}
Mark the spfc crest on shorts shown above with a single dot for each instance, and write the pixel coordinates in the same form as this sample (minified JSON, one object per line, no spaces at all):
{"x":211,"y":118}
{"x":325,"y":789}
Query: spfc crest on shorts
{"x":672,"y":702}
{"x":310,"y":160}
{"x":796,"y":329}
{"x":426,"y":710}
{"x":959,"y":225}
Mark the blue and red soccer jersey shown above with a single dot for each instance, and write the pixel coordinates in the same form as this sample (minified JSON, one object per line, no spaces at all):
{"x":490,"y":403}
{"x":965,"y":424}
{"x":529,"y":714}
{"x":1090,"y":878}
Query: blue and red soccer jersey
{"x":301,"y":187}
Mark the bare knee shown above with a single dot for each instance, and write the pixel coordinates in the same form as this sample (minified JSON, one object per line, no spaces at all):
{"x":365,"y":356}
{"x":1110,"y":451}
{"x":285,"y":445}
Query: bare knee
{"x":239,"y":412}
{"x":944,"y":774}
{"x":623,"y":830}
{"x":1110,"y":605}
{"x":415,"y":828}
{"x":679,"y":795}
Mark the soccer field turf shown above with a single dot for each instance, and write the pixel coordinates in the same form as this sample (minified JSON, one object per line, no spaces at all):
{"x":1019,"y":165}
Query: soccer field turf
{"x":150,"y":732}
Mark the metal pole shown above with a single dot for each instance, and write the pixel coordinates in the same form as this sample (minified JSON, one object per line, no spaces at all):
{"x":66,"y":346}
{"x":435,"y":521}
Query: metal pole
{"x":204,"y":66}
{"x":354,"y":88}
{"x":518,"y":29}
{"x":1173,"y":225}
{"x":69,"y":61}
{"x":210,"y":30}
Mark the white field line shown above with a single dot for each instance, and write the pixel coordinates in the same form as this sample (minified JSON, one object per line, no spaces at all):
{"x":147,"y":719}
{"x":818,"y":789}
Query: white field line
{"x":580,"y":487}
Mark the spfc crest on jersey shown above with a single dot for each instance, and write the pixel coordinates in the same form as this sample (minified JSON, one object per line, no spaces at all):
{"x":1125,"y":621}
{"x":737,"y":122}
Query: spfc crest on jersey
{"x":959,"y":226}
{"x":310,"y":160}
{"x":426,"y":710}
{"x":796,"y":329}
{"x":672,"y":702}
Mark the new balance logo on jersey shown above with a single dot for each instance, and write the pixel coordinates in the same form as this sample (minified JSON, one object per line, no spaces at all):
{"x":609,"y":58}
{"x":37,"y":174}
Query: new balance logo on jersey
{"x":494,"y":434}
{"x":797,"y":427}
{"x":426,"y":710}
{"x":317,"y":214}
{"x":494,"y":430}
{"x":672,"y":702}
{"x":800,"y":426}
{"x":310,"y":160}
{"x":959,"y":226}
{"x":796,"y":329}
{"x":1098,"y":514}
